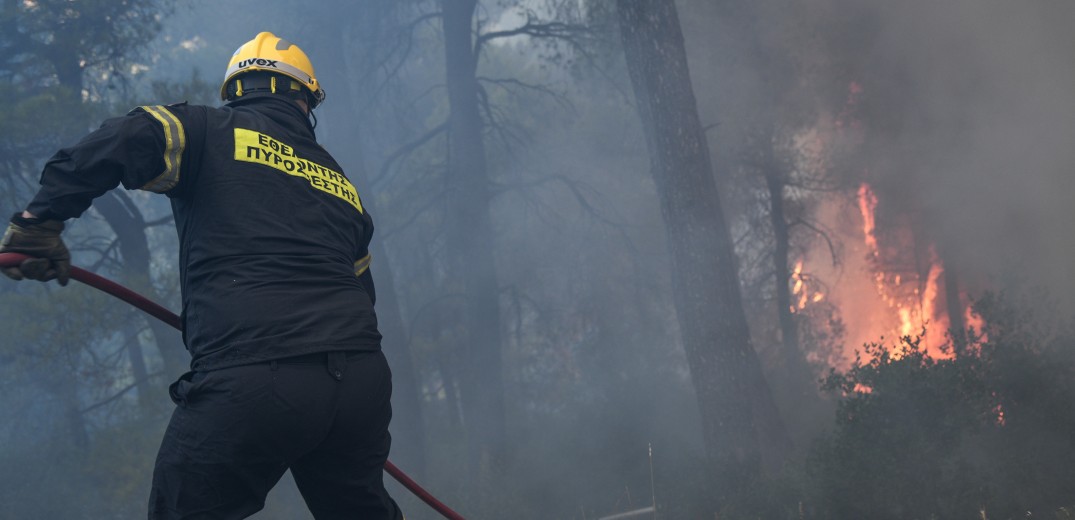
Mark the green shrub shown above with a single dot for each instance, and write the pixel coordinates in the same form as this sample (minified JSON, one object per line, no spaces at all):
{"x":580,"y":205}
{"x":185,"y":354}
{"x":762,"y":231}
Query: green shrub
{"x":987,"y":434}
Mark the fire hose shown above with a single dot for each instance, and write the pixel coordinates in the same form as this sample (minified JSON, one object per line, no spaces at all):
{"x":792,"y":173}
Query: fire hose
{"x":153,"y":309}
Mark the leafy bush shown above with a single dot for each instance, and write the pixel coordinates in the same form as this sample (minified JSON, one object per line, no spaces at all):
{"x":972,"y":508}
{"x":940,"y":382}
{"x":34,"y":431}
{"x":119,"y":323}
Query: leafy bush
{"x":986,"y":434}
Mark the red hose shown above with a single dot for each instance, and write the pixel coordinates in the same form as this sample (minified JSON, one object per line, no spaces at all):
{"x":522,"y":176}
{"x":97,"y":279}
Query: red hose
{"x":108,"y":286}
{"x":151,"y":308}
{"x":421,"y":493}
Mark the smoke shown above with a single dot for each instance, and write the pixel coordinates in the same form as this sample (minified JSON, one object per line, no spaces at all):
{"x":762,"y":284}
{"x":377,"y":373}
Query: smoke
{"x":972,"y":128}
{"x":966,"y":113}
{"x":968,"y":124}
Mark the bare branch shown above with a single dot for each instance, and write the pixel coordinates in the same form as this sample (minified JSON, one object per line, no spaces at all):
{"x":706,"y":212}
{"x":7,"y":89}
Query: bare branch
{"x":570,"y":33}
{"x":406,"y":149}
{"x":558,"y":30}
{"x":391,"y":72}
{"x":575,"y":187}
{"x":559,"y":98}
{"x":824,"y":235}
{"x":494,"y":115}
{"x":119,"y":394}
{"x":439,"y":197}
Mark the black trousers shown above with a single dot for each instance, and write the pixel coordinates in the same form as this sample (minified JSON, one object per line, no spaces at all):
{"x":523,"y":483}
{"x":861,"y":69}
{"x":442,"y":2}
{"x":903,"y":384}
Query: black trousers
{"x":235,"y":431}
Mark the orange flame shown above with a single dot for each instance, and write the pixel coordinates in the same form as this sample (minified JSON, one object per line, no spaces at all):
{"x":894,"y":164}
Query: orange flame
{"x":867,"y":205}
{"x":880,"y":293}
{"x":975,"y":322}
{"x":797,"y":274}
{"x":802,"y":288}
{"x":919,"y":308}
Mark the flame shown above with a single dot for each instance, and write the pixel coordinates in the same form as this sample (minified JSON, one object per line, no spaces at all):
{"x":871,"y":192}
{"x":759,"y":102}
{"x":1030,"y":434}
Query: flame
{"x":938,"y":324}
{"x":868,"y":205}
{"x":892,"y":300}
{"x":998,"y":410}
{"x":975,"y":322}
{"x":802,"y":289}
{"x":915,"y":312}
{"x":880,"y":292}
{"x":797,"y":275}
{"x":885,"y":289}
{"x":906,"y":322}
{"x":920,"y":309}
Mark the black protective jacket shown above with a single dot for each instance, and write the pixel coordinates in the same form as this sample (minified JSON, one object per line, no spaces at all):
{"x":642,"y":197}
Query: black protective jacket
{"x":273,"y":238}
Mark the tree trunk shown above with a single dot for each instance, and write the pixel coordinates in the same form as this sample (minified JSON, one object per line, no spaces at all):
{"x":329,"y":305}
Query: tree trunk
{"x":127,"y":222}
{"x":408,"y":429}
{"x":789,"y":333}
{"x":733,"y":397}
{"x":138,"y":366}
{"x":794,"y":383}
{"x":957,"y":326}
{"x":130,"y":228}
{"x":471,"y":245}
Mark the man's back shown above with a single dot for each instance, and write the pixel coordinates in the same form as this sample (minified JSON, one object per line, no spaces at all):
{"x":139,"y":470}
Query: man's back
{"x":270,"y":230}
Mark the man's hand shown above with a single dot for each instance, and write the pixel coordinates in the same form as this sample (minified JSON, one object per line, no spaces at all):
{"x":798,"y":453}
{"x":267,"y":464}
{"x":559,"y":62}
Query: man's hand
{"x":40,"y":239}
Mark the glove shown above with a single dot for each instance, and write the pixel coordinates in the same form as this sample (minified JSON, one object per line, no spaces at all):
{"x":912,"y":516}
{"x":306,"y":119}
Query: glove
{"x":40,"y":239}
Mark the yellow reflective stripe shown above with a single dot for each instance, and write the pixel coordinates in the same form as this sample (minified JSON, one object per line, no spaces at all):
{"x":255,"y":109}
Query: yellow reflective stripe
{"x":175,"y":140}
{"x":363,"y":264}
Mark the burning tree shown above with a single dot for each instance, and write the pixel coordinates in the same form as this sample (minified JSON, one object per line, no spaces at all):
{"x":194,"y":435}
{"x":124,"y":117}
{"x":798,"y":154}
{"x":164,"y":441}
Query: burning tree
{"x":896,"y":281}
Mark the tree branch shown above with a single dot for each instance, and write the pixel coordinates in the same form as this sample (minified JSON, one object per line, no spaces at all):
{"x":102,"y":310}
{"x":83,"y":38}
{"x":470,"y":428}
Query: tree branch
{"x":557,"y":30}
{"x":559,"y":98}
{"x":576,"y":188}
{"x":406,"y":149}
{"x":824,"y":235}
{"x":119,"y":394}
{"x":414,"y":216}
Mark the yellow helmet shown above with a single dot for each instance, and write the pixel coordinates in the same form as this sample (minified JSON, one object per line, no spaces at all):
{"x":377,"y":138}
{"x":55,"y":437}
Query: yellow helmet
{"x":269,"y":53}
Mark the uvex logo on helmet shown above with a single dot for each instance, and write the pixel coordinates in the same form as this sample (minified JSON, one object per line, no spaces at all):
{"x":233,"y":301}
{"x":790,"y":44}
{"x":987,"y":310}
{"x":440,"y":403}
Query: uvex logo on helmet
{"x":257,"y":61}
{"x":270,"y":53}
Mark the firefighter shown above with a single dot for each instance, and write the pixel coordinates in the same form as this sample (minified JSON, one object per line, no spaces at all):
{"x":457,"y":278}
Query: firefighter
{"x":286,"y":365}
